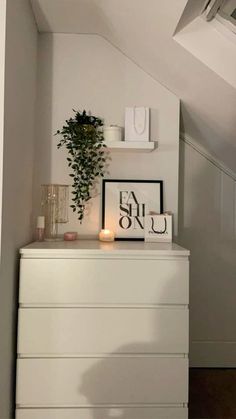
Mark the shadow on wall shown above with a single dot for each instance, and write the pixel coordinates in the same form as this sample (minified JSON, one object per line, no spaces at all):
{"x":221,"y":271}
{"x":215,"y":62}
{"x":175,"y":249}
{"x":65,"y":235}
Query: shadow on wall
{"x":43,"y":122}
{"x":206,"y":227}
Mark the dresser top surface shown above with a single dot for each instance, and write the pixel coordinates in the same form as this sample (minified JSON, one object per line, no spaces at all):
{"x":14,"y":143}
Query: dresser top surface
{"x":82,"y":248}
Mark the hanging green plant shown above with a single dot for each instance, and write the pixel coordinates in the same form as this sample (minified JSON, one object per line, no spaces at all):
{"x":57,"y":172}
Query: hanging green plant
{"x":83,"y":138}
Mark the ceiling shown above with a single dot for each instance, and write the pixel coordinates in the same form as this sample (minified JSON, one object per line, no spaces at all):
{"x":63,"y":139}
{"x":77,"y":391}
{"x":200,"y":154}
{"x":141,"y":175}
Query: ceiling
{"x":143,"y":30}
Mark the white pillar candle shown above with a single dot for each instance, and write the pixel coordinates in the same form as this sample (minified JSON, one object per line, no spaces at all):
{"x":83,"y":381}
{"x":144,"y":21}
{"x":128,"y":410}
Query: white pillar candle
{"x":40,"y":228}
{"x":106,"y":235}
{"x":41,"y":221}
{"x":112,"y":133}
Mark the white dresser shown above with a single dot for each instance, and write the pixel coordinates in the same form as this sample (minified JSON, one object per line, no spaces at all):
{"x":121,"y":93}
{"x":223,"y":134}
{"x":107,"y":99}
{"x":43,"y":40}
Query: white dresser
{"x":103,"y":331}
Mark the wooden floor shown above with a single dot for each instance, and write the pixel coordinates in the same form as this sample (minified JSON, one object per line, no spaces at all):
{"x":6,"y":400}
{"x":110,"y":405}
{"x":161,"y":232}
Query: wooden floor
{"x":212,"y":393}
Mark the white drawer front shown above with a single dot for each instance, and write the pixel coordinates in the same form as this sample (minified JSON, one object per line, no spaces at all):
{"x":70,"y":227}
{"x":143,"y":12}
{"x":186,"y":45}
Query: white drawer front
{"x":101,"y":281}
{"x":102,"y":330}
{"x":101,"y":413}
{"x":93,"y":381}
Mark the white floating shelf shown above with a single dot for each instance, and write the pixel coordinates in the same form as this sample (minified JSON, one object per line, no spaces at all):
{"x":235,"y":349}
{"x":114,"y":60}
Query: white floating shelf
{"x":143,"y":146}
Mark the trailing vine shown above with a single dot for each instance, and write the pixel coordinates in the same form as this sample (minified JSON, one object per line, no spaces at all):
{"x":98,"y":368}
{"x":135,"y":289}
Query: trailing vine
{"x":83,"y":138}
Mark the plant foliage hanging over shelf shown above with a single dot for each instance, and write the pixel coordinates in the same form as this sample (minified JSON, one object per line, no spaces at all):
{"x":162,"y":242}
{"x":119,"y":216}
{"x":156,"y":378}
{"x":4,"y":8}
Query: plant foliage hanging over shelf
{"x":83,"y":138}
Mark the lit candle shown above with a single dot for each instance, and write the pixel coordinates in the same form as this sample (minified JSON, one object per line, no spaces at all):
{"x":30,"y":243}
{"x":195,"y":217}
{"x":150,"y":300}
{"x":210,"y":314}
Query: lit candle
{"x":106,"y":235}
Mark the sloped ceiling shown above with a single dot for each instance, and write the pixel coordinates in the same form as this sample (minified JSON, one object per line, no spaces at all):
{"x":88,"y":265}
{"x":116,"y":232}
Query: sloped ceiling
{"x":143,"y":30}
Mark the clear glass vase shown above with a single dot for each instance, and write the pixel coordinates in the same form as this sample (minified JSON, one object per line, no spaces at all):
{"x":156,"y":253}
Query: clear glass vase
{"x":54,"y":202}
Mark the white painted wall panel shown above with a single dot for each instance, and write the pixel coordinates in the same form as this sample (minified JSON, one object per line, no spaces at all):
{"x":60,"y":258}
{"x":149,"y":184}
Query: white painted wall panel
{"x":102,"y":331}
{"x":93,"y":381}
{"x":207,"y":228}
{"x":227,"y":219}
{"x":213,"y":354}
{"x":72,"y":281}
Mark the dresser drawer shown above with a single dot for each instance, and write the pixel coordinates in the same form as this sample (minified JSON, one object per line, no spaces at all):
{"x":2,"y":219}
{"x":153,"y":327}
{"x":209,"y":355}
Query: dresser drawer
{"x":72,"y":331}
{"x":101,"y":413}
{"x":93,"y":381}
{"x":101,"y":281}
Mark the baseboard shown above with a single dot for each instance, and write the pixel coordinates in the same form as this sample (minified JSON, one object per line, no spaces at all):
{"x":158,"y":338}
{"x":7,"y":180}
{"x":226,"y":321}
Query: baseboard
{"x":213,"y":354}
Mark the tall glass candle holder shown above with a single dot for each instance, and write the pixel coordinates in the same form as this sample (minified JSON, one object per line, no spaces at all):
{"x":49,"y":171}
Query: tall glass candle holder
{"x":55,"y":200}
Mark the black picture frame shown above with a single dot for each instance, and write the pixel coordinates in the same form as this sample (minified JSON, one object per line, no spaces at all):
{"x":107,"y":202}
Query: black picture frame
{"x":139,"y":232}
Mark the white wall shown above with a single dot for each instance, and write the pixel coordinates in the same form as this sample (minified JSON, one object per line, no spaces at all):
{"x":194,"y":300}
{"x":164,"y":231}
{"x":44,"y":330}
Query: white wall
{"x":85,"y":71}
{"x":145,"y":34}
{"x":20,"y":94}
{"x":207,"y":226}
